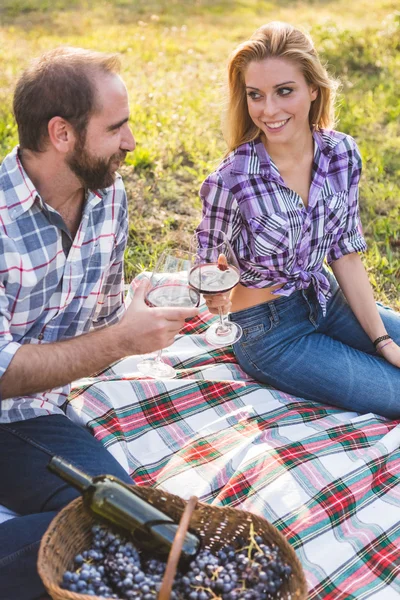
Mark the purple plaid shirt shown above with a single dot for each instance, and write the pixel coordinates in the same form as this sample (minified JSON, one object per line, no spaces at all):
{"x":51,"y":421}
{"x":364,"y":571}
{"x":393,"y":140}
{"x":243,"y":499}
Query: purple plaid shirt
{"x":276,"y":238}
{"x":52,"y":287}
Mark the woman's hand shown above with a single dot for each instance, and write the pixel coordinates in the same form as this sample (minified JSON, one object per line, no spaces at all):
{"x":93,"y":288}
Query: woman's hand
{"x":390,"y":352}
{"x":215,"y":301}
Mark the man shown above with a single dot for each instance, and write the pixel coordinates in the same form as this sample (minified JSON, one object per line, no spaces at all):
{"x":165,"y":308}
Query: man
{"x":63,"y":231}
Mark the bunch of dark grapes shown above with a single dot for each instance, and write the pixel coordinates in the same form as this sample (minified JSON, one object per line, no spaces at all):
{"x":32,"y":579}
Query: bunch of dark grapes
{"x":251,"y":572}
{"x":114,"y":568}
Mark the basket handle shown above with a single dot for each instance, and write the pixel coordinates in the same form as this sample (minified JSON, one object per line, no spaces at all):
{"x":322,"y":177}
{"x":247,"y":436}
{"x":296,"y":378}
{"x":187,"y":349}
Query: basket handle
{"x":176,"y":549}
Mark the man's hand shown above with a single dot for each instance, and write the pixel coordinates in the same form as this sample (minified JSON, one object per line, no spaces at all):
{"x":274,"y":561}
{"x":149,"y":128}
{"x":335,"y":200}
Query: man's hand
{"x":39,"y":367}
{"x":145,"y":329}
{"x":215,"y":301}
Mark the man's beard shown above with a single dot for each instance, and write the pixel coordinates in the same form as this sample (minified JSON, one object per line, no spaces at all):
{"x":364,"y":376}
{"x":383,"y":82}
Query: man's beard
{"x":94,"y":173}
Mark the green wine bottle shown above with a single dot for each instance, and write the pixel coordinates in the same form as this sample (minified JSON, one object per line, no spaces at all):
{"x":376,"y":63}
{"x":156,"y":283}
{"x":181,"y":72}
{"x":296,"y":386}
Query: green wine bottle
{"x":115,"y":502}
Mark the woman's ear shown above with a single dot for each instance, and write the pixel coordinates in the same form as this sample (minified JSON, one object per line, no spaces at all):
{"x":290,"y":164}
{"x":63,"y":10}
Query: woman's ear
{"x":314,"y":91}
{"x":61,"y":134}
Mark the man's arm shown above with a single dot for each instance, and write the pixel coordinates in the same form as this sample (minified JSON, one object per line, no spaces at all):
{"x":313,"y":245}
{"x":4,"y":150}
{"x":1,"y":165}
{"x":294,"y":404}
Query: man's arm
{"x":40,"y":367}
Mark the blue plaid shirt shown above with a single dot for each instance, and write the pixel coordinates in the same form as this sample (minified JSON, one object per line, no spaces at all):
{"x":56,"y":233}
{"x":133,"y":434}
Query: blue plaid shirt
{"x":277,"y":239}
{"x":52,"y":287}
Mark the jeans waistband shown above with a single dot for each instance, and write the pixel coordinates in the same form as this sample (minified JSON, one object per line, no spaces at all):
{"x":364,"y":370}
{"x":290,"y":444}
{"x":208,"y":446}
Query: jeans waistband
{"x":274,"y":305}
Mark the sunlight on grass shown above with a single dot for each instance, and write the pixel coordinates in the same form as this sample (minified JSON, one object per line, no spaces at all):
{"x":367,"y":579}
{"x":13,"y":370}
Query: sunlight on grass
{"x":174,"y":57}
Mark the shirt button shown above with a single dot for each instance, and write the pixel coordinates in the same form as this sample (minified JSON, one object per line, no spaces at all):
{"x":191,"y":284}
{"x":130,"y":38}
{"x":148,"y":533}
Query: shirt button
{"x":300,"y":262}
{"x":40,"y":336}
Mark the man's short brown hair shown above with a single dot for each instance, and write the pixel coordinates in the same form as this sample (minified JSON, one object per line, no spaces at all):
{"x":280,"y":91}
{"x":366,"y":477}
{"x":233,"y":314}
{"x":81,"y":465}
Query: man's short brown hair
{"x":60,"y":83}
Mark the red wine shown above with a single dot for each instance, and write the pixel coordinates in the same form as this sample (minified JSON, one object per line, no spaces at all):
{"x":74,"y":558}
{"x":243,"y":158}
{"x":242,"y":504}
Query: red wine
{"x":115,"y":502}
{"x":173,"y":294}
{"x":210,"y":279}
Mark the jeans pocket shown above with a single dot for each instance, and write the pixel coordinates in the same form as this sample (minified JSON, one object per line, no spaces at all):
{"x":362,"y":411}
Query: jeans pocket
{"x":252,"y":333}
{"x":250,"y":349}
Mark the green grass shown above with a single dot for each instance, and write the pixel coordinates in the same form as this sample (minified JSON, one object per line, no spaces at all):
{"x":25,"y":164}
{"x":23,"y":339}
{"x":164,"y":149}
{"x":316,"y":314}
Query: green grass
{"x":174,"y":56}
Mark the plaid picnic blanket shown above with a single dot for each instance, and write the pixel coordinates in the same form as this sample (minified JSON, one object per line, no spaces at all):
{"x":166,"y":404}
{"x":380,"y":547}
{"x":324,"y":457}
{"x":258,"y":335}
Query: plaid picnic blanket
{"x":327,"y":479}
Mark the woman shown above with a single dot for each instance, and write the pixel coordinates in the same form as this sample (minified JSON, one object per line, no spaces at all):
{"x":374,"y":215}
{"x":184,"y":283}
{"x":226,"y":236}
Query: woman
{"x":287,"y":197}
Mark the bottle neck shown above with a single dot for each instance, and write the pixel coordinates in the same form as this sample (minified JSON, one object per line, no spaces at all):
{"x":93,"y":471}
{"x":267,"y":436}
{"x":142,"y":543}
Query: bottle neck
{"x":70,"y":474}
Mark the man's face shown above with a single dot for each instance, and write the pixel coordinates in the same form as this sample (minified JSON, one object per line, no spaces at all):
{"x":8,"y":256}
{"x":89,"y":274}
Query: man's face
{"x":93,"y":171}
{"x":99,"y":151}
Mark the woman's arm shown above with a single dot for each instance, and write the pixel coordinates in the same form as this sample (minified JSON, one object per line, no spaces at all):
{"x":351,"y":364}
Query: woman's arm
{"x":220,"y":211}
{"x":353,"y":280}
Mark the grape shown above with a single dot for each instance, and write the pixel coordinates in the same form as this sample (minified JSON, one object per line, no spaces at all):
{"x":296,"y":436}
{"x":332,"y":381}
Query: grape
{"x":112,"y":567}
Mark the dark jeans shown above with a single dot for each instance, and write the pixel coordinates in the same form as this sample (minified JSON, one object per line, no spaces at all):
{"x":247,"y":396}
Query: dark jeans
{"x":28,"y":488}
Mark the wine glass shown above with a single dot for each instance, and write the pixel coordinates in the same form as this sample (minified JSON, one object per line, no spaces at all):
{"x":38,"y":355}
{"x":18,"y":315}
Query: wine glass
{"x":169,"y":286}
{"x":216,"y":271}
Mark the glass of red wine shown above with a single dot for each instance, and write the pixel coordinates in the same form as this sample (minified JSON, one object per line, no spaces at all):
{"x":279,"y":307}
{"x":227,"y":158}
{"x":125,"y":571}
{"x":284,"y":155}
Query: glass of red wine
{"x":216,"y":271}
{"x":169,"y":287}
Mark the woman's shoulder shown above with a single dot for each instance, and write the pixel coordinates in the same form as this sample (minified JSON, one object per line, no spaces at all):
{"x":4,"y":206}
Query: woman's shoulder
{"x":240,"y":161}
{"x":336,"y":142}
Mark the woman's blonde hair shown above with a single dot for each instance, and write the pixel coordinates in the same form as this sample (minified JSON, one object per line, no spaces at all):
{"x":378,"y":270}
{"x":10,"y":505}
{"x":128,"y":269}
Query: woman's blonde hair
{"x":275,"y":40}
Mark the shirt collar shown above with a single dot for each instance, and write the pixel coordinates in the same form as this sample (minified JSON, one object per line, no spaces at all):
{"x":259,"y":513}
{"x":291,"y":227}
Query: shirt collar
{"x":326,"y":140}
{"x":21,"y":193}
{"x":252,"y":158}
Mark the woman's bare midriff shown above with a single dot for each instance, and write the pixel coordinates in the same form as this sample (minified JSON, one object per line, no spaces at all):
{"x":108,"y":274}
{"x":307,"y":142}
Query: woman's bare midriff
{"x":243,"y":297}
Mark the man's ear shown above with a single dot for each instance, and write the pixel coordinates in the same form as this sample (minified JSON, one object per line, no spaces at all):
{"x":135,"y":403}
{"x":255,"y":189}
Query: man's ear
{"x":61,"y":134}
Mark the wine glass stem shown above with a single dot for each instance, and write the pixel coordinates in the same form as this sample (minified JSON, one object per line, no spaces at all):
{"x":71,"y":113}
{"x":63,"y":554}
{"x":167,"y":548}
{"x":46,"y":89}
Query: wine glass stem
{"x":157,"y":359}
{"x":222,"y":327}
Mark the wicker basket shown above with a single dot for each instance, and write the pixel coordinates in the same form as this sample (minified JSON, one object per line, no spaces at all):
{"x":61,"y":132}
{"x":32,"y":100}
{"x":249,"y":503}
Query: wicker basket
{"x":70,"y":533}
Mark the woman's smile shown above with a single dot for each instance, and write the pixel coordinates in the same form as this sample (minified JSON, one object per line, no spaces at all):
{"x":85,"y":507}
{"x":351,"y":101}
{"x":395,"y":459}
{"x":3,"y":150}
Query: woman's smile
{"x":277,"y":125}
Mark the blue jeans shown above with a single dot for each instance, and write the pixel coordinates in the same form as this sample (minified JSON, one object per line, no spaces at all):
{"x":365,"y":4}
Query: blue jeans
{"x":288,"y":344}
{"x":28,"y":488}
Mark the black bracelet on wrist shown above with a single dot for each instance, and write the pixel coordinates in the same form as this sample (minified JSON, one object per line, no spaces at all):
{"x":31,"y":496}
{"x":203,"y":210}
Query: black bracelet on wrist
{"x":381,"y":339}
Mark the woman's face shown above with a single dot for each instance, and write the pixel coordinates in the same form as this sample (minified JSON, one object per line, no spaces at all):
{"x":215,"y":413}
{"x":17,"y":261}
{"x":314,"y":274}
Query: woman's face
{"x":279,"y":100}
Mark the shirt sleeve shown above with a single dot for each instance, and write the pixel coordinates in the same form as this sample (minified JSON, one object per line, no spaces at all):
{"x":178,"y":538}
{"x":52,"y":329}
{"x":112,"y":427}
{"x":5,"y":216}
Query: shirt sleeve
{"x":220,"y":207}
{"x":111,"y":304}
{"x":8,"y":347}
{"x":351,"y":239}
